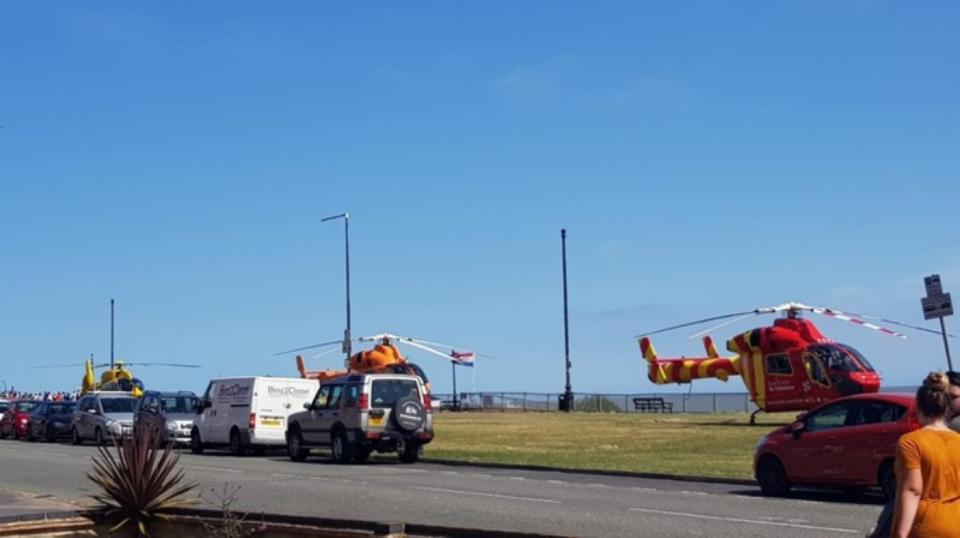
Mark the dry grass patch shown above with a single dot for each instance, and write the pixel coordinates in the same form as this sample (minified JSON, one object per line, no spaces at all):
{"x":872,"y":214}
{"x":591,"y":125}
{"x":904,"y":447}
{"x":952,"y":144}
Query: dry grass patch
{"x":714,"y":445}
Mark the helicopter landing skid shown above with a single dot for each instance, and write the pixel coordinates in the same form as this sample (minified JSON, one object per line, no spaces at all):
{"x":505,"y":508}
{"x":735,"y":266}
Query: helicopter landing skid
{"x":753,"y":417}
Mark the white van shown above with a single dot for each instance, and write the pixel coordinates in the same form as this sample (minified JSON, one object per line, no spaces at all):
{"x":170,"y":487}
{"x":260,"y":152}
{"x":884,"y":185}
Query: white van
{"x":248,"y":412}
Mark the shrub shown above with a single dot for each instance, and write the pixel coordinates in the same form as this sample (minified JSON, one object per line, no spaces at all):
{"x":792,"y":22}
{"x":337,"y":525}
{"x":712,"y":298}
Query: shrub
{"x":595,"y":404}
{"x":139,"y":481}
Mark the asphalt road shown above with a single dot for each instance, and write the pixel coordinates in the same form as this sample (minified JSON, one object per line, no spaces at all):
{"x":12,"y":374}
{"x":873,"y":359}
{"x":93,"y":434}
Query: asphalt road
{"x":466,"y":496}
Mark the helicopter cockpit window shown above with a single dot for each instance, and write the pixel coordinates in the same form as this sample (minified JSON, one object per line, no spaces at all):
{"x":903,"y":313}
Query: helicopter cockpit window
{"x":835,"y":358}
{"x":857,"y":355}
{"x":815,"y":369}
{"x":118,"y":405}
{"x":779,"y":364}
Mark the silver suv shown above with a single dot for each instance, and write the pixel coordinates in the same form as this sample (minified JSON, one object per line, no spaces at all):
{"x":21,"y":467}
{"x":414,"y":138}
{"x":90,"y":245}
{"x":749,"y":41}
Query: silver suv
{"x":170,"y":413}
{"x":103,"y":415}
{"x":357,"y":414}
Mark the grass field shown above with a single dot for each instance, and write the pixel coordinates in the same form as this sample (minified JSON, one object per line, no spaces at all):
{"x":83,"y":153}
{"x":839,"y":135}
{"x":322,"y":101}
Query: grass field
{"x":712,"y":445}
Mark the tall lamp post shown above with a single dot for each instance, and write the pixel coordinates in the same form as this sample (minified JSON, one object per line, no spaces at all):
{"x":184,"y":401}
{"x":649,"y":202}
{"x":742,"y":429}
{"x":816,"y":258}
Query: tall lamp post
{"x":347,"y":344}
{"x":567,"y":400}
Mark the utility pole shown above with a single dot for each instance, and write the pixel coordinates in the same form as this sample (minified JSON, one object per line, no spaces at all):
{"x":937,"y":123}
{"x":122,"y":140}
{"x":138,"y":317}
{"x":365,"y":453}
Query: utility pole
{"x":111,"y":334}
{"x":347,"y":343}
{"x":567,"y":400}
{"x":938,"y":305}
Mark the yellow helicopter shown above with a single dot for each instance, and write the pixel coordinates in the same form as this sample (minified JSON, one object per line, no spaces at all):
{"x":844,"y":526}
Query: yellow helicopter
{"x":116,"y":378}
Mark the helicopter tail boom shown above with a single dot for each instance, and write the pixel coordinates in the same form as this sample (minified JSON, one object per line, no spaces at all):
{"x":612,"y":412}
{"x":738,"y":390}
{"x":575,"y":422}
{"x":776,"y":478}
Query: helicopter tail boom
{"x":684,"y":370}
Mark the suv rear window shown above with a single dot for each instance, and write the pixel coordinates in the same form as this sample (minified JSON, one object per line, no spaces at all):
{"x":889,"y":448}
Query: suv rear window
{"x":25,"y":407}
{"x":117,"y":405}
{"x":386,"y":392}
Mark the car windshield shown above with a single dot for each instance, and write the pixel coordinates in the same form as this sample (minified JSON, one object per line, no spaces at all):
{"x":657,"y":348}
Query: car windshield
{"x":25,"y":407}
{"x":835,"y":358}
{"x":4,"y":406}
{"x":857,"y":355}
{"x":118,"y":405}
{"x":179,"y":404}
{"x":386,"y":392}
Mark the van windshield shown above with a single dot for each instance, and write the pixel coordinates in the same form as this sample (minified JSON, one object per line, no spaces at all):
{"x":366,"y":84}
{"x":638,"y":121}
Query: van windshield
{"x":179,"y":404}
{"x":117,"y":405}
{"x":386,"y":392}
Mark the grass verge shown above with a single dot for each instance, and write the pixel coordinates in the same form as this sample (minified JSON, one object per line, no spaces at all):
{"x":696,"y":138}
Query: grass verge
{"x":709,"y":445}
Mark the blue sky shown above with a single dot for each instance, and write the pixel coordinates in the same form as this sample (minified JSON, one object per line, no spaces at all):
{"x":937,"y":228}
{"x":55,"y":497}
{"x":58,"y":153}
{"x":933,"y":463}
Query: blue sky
{"x":705,"y":158}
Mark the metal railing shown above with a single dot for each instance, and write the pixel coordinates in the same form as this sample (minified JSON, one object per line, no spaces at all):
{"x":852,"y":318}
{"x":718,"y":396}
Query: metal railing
{"x":711,"y":402}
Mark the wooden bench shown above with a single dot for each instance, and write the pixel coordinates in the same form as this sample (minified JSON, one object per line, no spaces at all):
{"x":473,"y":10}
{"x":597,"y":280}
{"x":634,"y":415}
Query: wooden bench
{"x":653,"y":405}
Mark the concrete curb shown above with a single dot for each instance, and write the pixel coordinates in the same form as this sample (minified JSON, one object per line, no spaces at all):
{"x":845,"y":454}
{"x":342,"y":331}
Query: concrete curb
{"x":629,"y":474}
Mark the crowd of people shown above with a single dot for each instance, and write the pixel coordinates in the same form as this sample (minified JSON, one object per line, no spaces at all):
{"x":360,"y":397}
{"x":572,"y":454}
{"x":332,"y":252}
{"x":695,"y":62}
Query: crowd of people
{"x":46,"y":396}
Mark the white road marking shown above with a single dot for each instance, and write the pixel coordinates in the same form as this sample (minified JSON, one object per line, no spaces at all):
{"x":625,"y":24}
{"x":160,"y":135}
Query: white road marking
{"x":517,"y":477}
{"x":214,"y":469}
{"x":645,"y":490}
{"x":481,"y":494}
{"x":750,"y":521}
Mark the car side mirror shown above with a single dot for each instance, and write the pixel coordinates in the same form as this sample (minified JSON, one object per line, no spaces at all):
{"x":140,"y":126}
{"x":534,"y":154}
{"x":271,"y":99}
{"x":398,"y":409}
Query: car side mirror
{"x":308,"y":406}
{"x":797,"y":428}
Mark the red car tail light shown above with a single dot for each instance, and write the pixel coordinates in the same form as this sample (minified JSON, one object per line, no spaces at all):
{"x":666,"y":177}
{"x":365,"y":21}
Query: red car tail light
{"x":373,"y":435}
{"x":252,"y":423}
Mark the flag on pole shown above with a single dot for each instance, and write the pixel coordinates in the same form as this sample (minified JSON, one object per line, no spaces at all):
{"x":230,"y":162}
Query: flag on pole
{"x":463,"y":358}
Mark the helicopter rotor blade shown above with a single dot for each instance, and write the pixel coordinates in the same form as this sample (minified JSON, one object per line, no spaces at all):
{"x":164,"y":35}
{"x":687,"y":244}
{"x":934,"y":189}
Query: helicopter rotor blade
{"x":706,"y":320}
{"x":721,"y":325}
{"x":427,"y":349}
{"x":858,"y":319}
{"x":885,"y":320}
{"x":323,"y":354}
{"x":168,"y":364}
{"x":315,"y":346}
{"x":48,"y":366}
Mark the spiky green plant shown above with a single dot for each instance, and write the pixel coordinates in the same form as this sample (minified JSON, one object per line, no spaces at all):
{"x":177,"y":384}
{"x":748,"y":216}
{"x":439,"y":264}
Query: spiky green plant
{"x":140,"y":481}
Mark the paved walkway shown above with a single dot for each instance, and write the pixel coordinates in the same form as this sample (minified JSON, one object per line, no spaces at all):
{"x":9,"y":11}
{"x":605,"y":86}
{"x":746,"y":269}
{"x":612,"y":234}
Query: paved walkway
{"x":15,"y":506}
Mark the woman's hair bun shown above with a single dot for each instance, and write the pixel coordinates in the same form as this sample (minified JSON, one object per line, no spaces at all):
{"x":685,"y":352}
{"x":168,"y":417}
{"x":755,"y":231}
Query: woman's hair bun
{"x":937,"y":381}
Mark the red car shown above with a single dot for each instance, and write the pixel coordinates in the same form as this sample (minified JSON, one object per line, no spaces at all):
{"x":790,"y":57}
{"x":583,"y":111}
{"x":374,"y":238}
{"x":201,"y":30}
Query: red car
{"x":849,"y":442}
{"x":14,"y":422}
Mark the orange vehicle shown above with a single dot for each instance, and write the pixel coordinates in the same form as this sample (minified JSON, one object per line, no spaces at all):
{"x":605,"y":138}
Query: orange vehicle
{"x":789,"y":366}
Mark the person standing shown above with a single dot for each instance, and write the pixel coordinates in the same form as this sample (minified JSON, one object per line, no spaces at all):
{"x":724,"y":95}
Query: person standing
{"x":928,"y":469}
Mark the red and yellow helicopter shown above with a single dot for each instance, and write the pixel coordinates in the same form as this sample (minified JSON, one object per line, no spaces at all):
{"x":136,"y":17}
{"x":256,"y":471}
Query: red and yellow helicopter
{"x":384,"y":357}
{"x":789,"y":366}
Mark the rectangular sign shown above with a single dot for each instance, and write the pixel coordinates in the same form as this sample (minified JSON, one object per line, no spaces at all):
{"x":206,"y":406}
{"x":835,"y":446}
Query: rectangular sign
{"x":938,"y":306}
{"x":933,"y":285}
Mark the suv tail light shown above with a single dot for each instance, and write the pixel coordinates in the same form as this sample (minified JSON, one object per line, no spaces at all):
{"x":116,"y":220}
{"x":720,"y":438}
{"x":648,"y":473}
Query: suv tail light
{"x":364,"y":402}
{"x":252,"y":423}
{"x":427,"y":402}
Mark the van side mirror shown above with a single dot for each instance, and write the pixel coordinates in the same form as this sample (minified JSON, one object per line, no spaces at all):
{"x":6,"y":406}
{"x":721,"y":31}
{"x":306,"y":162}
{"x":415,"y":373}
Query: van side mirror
{"x":797,"y":428}
{"x":308,"y":406}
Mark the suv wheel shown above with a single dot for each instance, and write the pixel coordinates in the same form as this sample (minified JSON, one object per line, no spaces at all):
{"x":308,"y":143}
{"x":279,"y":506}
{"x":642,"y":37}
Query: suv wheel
{"x":295,"y":448}
{"x":75,"y":436}
{"x":772,"y":477}
{"x":888,"y":480}
{"x":411,"y":453}
{"x":236,"y":446}
{"x":339,"y":448}
{"x":196,"y":445}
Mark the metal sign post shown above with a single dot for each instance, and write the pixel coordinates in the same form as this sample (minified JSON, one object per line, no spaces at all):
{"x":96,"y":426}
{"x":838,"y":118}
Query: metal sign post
{"x":938,"y":305}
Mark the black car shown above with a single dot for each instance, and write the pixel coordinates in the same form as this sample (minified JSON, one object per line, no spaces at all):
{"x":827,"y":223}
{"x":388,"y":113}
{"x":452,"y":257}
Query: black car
{"x":50,"y":421}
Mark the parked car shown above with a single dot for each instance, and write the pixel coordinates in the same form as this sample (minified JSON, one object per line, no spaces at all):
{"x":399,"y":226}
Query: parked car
{"x":100,"y":416}
{"x":849,"y":443}
{"x":14,"y":422}
{"x":248,"y":412}
{"x":50,"y":421}
{"x":170,"y":413}
{"x":358,"y":414}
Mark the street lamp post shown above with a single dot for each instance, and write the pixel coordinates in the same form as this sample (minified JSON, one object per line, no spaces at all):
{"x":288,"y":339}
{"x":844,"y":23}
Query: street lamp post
{"x":568,"y":392}
{"x":347,"y":344}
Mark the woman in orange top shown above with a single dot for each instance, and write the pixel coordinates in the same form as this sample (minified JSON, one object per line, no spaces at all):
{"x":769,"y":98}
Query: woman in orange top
{"x":928,"y":469}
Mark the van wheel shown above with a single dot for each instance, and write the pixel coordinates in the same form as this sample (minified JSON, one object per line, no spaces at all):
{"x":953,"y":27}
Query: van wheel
{"x":236,"y":446}
{"x":411,"y":453}
{"x":295,"y":448}
{"x":339,"y":448}
{"x":196,"y":445}
{"x":888,"y":480}
{"x":772,"y":478}
{"x":75,"y":437}
{"x":98,"y":437}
